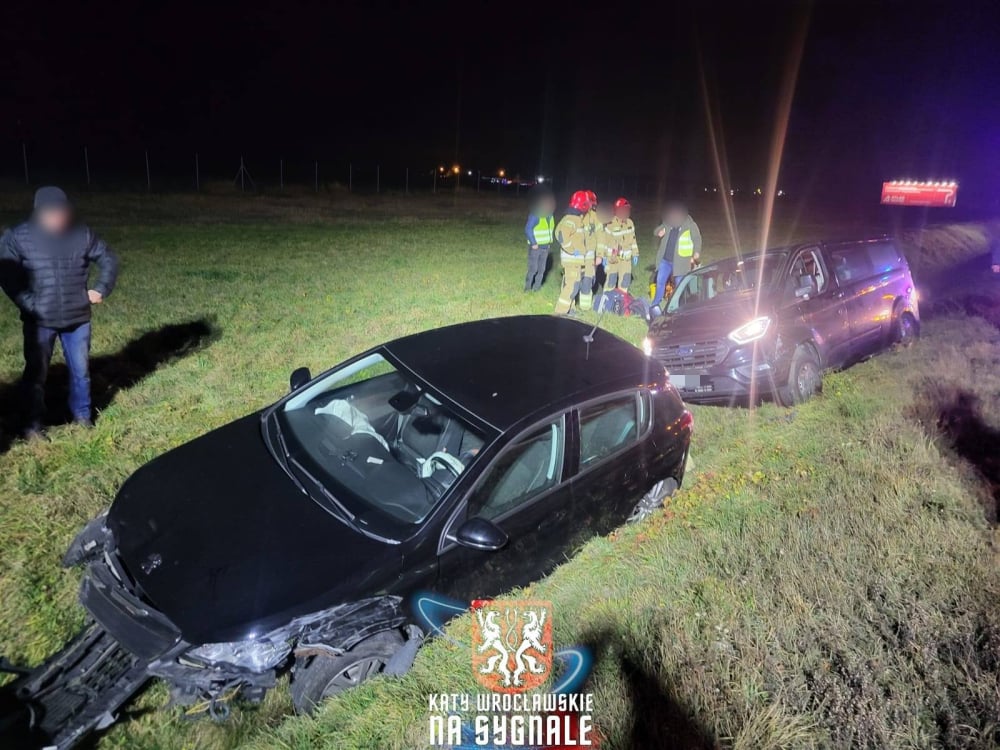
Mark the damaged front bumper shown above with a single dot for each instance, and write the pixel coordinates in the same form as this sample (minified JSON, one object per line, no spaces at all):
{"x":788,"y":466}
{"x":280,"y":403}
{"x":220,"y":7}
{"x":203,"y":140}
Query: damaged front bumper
{"x":79,"y":689}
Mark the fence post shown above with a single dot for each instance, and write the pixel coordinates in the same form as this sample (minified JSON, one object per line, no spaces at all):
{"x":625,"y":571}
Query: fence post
{"x":197,"y":174}
{"x":24,"y":154}
{"x":149,"y":179}
{"x":479,"y":179}
{"x":434,"y":183}
{"x":406,"y":185}
{"x":86,"y":164}
{"x":316,"y":176}
{"x":378,"y":178}
{"x":281,"y":174}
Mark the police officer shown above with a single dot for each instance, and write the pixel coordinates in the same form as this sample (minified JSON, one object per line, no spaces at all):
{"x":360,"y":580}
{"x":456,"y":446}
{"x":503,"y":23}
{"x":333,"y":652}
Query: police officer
{"x":571,"y":234}
{"x":624,"y":247}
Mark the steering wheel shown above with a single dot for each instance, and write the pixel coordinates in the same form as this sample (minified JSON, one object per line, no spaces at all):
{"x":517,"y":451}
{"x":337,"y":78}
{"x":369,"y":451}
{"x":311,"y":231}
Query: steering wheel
{"x":444,"y":460}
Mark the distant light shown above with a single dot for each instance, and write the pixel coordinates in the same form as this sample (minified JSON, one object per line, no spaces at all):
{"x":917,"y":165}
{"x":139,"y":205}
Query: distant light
{"x":502,"y":173}
{"x":440,"y":169}
{"x":455,"y":169}
{"x":781,"y":193}
{"x":732,"y":192}
{"x":470,"y":173}
{"x":540,"y":179}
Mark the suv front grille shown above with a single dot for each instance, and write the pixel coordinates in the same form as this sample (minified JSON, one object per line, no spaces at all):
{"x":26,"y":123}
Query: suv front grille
{"x":696,"y":356}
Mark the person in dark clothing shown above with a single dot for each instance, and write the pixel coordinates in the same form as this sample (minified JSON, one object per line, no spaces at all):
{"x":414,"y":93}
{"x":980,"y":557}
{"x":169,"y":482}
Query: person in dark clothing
{"x":45,"y":269}
{"x":539,"y":230}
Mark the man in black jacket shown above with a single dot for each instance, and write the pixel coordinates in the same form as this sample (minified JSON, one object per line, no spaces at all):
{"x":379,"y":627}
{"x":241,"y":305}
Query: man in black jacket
{"x":45,"y":269}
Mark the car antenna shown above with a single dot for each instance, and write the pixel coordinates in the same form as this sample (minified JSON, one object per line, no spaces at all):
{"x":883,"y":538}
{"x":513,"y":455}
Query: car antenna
{"x":589,"y":337}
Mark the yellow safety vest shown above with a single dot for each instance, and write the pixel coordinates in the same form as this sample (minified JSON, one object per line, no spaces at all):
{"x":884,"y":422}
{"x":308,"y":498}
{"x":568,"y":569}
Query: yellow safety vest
{"x":685,"y":245}
{"x":544,"y":229}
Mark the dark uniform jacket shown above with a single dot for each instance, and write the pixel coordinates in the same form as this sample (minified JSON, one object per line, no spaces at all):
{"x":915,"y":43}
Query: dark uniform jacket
{"x":46,"y":275}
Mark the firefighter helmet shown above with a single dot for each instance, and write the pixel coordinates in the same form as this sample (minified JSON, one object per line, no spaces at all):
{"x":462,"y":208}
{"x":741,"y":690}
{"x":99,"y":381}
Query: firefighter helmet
{"x":580,"y":201}
{"x":623,"y":209}
{"x":592,"y":197}
{"x":622,"y":203}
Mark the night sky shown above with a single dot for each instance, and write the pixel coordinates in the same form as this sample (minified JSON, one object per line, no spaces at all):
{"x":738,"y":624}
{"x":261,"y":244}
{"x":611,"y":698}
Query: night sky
{"x":884,"y":89}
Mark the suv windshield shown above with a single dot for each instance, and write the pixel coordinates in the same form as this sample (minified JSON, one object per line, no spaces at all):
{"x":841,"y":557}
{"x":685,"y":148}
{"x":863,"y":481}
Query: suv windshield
{"x":374,"y":439}
{"x":730,"y":275}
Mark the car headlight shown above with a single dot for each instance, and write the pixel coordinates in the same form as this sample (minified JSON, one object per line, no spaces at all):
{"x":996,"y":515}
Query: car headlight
{"x":255,"y":655}
{"x":755,"y":329}
{"x":647,"y":346}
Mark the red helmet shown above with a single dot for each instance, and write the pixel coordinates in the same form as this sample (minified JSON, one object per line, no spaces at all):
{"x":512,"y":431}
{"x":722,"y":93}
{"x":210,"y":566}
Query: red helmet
{"x":592,"y":197}
{"x":622,"y":203}
{"x":622,"y":207}
{"x":580,"y":201}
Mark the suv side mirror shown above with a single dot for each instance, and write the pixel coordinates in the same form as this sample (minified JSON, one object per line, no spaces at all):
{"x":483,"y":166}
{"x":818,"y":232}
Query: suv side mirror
{"x":299,"y":377}
{"x":482,"y":534}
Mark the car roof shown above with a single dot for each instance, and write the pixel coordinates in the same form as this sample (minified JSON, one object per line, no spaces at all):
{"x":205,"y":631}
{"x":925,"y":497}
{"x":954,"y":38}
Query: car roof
{"x":503,"y":370}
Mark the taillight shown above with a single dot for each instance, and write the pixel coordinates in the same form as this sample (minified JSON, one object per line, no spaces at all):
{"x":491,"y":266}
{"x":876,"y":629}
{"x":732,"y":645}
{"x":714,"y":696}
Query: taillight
{"x":686,"y":421}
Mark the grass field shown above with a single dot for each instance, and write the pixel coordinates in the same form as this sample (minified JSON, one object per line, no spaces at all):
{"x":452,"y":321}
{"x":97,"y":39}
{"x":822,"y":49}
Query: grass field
{"x":826,"y":578}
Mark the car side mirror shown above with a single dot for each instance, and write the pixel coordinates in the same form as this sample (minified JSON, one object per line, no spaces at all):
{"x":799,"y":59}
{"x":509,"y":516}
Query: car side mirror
{"x":299,"y":377}
{"x":482,"y":534}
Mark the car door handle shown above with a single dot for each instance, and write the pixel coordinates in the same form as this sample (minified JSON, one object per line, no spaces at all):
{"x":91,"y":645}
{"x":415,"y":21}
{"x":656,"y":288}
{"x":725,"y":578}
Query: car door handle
{"x":839,"y":295}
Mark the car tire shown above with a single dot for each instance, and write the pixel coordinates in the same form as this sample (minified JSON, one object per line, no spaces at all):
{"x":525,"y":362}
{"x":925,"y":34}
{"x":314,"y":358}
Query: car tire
{"x":316,"y":678}
{"x":805,"y":378}
{"x":653,"y":499}
{"x":906,"y":329}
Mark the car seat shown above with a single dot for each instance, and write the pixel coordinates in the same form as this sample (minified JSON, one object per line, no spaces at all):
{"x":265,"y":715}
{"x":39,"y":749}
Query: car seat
{"x":422,"y":431}
{"x":603,"y":436}
{"x":532,"y":471}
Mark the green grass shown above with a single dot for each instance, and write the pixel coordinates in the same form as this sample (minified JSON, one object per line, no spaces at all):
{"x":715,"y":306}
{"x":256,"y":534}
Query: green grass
{"x":824,"y":579}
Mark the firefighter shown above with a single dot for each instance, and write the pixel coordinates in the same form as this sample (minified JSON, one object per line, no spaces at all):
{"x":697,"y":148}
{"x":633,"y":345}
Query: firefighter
{"x":538,"y":231}
{"x":571,"y":235}
{"x":600,"y":239}
{"x":624,"y":247}
{"x":679,"y":247}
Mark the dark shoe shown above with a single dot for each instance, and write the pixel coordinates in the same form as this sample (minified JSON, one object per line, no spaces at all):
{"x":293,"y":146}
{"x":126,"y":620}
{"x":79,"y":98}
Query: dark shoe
{"x":85,"y":422}
{"x":573,"y":313}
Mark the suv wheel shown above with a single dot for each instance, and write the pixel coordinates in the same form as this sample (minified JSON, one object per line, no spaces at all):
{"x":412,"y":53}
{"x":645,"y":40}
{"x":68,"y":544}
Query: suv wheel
{"x":316,"y":678}
{"x":805,"y":378}
{"x":907,"y":330}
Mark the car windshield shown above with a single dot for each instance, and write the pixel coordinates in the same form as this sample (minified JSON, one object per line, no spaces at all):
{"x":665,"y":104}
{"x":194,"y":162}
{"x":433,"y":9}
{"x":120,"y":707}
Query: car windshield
{"x":375,"y":440}
{"x":730,"y":275}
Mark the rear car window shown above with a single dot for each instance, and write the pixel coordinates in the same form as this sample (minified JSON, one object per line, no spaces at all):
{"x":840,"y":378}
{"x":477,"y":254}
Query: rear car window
{"x":609,"y":426}
{"x":851,"y":263}
{"x":884,"y":257}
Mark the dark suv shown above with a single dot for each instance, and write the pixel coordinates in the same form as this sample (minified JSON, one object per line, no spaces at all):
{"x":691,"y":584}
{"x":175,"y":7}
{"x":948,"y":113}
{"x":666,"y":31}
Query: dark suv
{"x":772,"y":321}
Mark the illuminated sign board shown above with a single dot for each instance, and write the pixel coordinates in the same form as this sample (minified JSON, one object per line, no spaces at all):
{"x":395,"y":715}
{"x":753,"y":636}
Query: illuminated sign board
{"x":914,"y":193}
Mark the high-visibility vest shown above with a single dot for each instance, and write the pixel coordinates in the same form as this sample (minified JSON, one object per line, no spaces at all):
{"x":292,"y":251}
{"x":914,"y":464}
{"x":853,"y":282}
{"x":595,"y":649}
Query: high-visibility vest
{"x":544,"y":229}
{"x":685,"y":245}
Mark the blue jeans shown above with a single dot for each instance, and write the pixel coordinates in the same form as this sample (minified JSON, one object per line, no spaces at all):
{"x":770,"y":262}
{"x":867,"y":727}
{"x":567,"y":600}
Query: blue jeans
{"x":39,"y":342}
{"x":662,"y":276}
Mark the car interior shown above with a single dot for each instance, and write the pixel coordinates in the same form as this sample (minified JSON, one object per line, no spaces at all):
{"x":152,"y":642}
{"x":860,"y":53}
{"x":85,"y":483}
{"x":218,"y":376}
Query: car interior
{"x":385,"y":441}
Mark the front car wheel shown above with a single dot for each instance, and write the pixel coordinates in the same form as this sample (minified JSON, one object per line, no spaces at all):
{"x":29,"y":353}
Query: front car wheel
{"x":318,"y":677}
{"x":805,"y":378}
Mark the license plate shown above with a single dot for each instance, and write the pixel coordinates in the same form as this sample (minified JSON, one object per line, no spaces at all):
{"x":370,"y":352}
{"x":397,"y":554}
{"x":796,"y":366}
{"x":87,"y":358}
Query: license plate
{"x":691,"y":382}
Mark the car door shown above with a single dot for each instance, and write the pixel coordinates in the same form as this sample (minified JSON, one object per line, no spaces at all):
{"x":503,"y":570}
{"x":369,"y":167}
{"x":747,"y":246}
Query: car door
{"x":853,"y":271}
{"x":822,"y":312}
{"x":526,"y":492}
{"x":611,"y":476}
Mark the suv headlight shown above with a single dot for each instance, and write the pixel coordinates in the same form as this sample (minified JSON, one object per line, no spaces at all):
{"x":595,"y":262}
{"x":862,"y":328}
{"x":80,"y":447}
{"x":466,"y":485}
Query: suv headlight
{"x":256,"y":656}
{"x":755,"y":329}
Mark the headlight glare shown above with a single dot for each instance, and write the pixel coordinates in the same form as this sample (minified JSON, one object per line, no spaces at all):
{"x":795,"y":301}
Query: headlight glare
{"x":647,"y":346}
{"x":755,"y":329}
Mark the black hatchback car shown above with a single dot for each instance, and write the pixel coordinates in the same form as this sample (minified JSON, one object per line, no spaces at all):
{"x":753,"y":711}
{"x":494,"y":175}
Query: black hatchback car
{"x":771,"y":322}
{"x":466,"y":460}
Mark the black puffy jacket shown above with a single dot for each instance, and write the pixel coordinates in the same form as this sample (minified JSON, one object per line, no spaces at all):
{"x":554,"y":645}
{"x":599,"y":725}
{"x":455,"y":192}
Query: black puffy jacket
{"x":46,"y":275}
